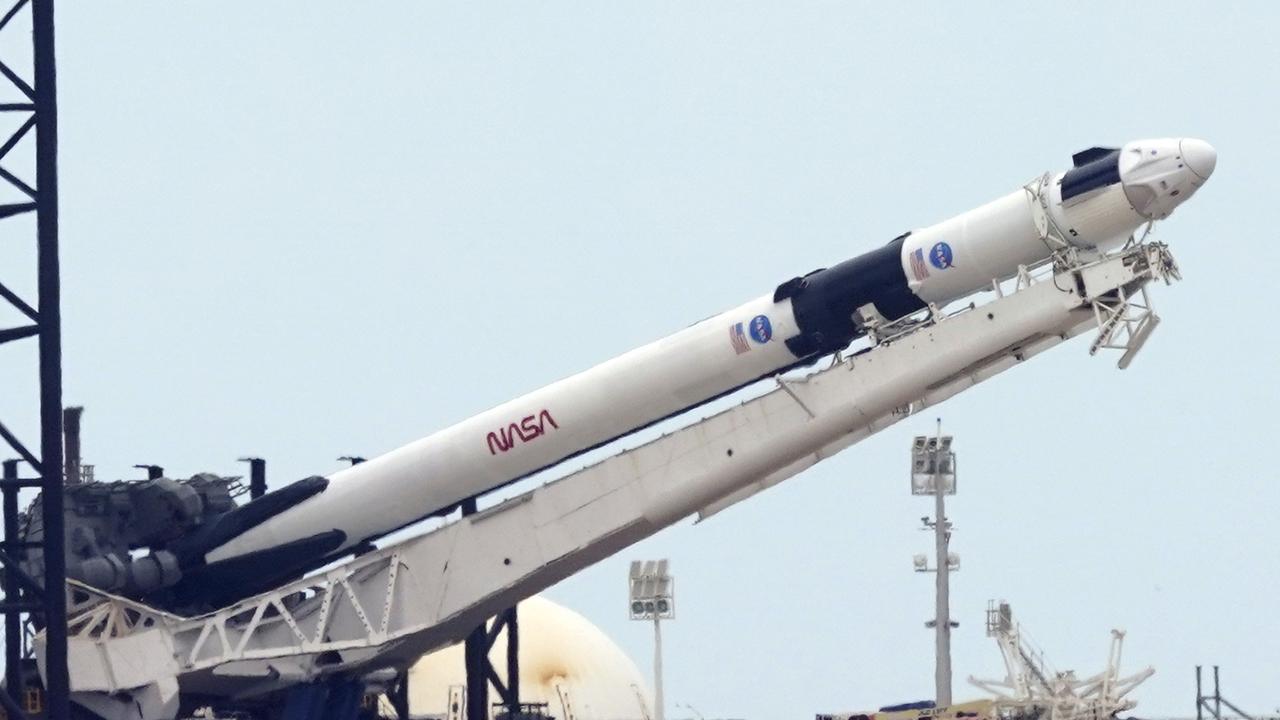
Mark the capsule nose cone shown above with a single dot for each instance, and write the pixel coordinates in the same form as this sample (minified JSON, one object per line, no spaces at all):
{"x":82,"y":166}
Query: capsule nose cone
{"x":1160,"y":174}
{"x":1199,"y":156}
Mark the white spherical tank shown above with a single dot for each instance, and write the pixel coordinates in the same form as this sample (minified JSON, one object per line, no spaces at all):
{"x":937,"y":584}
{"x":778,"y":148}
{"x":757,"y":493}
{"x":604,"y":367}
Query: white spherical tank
{"x":565,"y":661}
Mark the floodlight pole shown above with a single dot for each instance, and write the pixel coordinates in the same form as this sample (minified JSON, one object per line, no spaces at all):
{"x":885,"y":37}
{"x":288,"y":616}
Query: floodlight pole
{"x":942,"y":616}
{"x":652,"y":595}
{"x":658,"y":713}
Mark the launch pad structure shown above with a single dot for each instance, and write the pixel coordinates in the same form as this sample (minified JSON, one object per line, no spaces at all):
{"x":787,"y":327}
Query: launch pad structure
{"x":326,"y":638}
{"x":42,"y":603}
{"x":387,"y":607}
{"x":28,"y":604}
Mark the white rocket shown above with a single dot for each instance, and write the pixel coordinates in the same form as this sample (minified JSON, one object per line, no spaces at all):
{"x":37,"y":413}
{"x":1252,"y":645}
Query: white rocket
{"x":1093,"y":207}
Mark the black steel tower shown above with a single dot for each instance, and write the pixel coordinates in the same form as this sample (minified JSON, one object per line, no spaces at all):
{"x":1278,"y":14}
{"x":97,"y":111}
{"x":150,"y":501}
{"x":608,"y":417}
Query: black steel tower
{"x":37,"y":105}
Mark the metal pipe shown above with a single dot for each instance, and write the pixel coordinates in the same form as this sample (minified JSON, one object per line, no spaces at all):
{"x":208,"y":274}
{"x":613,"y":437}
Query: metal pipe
{"x":71,"y":440}
{"x":257,"y":476}
{"x":1199,"y":696}
{"x":1217,"y":695}
{"x":1238,"y":711}
{"x":154,"y":472}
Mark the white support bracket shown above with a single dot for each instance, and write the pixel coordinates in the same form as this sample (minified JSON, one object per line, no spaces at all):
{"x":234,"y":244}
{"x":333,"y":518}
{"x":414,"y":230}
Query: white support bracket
{"x":1124,"y":314}
{"x":1124,"y":323}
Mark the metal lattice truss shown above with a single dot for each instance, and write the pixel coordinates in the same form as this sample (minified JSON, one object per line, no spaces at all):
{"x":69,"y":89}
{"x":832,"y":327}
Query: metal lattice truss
{"x":32,"y":312}
{"x":1124,"y":323}
{"x":1126,"y":318}
{"x":1032,"y":688}
{"x":386,"y":608}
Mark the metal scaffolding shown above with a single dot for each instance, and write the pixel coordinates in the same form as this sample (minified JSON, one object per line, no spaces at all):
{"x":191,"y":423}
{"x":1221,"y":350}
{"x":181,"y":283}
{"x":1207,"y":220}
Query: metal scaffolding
{"x":1212,"y":704}
{"x":46,"y":605}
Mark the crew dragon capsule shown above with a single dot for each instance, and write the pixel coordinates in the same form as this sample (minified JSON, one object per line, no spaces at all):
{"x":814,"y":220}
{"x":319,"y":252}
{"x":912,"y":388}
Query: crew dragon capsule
{"x":1095,"y":206}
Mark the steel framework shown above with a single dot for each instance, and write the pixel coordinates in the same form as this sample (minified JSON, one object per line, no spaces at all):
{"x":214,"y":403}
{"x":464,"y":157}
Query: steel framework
{"x":46,"y":604}
{"x":1212,"y":704}
{"x":1032,"y":686}
{"x":480,"y":671}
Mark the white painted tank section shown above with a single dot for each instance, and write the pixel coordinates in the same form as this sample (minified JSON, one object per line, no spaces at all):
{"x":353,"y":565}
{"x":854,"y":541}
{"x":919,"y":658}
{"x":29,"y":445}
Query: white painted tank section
{"x":962,"y":254}
{"x":538,"y":429}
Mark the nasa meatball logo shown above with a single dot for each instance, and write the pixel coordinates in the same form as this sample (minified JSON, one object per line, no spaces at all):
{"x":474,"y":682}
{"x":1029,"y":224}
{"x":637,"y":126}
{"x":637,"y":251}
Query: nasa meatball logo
{"x":940,"y":256}
{"x":761,"y":329}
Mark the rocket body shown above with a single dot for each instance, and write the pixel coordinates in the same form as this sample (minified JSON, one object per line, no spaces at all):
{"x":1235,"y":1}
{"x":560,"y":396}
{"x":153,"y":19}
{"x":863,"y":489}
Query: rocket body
{"x":1094,"y":206}
{"x":540,"y":429}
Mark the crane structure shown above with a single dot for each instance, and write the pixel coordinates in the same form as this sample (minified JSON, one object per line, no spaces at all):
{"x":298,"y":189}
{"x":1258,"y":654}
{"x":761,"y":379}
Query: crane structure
{"x":1032,"y":688}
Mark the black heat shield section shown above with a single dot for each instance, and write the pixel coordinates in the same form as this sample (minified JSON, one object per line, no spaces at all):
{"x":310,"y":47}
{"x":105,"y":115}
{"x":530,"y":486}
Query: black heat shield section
{"x":226,"y":581}
{"x":1099,"y":172}
{"x":190,"y":549}
{"x":824,"y":300}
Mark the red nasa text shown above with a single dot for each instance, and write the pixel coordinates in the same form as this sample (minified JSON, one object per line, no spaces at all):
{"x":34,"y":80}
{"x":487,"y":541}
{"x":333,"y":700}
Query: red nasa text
{"x":530,"y":427}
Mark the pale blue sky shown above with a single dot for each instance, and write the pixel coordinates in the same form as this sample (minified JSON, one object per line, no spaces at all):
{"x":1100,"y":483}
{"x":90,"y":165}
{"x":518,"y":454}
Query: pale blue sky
{"x":306,"y":230}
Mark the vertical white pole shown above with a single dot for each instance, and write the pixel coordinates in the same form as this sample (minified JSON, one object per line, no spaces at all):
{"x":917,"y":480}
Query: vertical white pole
{"x":942,"y":617}
{"x":659,"y":710}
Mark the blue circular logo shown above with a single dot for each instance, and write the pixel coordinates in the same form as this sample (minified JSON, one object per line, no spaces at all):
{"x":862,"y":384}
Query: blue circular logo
{"x":940,"y":256}
{"x":761,"y":329}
